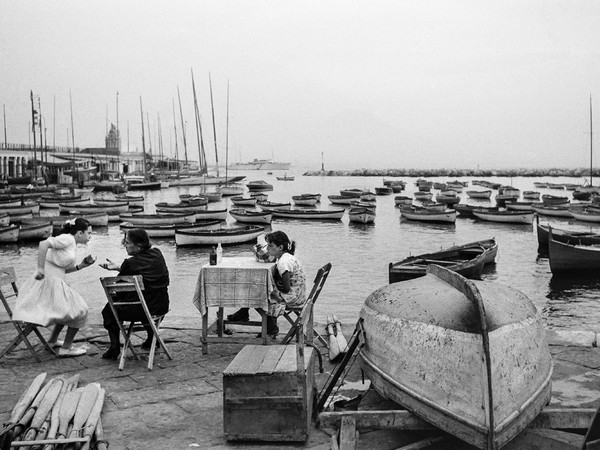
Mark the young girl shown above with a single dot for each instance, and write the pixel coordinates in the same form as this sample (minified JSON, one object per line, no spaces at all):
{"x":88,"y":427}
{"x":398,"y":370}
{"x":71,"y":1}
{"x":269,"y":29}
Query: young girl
{"x":46,"y":298}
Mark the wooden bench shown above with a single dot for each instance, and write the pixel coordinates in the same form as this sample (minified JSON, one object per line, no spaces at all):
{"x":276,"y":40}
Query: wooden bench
{"x":268,"y":390}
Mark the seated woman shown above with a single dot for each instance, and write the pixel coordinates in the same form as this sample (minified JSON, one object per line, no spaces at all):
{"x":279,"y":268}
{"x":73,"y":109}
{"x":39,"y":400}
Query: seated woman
{"x":150,"y":264}
{"x":289,"y":279}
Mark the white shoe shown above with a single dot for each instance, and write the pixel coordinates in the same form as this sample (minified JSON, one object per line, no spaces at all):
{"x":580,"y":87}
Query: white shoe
{"x":57,"y":343}
{"x":73,"y":351}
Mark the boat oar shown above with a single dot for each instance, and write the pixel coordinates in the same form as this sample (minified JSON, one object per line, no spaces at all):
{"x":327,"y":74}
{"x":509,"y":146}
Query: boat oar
{"x":334,"y":348}
{"x":43,"y":432}
{"x":84,"y":407}
{"x":44,"y":408}
{"x":339,"y":335}
{"x":24,"y":402}
{"x":67,"y":410}
{"x":68,"y":386}
{"x":26,"y":418}
{"x":101,"y":443}
{"x":93,"y":419}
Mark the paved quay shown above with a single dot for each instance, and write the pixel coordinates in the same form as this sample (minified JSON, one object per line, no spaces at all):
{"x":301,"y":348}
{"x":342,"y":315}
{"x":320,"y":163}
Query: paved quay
{"x":178,"y":405}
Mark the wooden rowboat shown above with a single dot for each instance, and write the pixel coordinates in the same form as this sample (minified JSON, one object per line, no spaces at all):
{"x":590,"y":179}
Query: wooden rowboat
{"x":243,"y":201}
{"x":467,"y":260}
{"x":584,"y":214}
{"x":503,"y":216}
{"x":4,"y":219}
{"x":116,"y":208}
{"x":341,"y":199}
{"x":245,"y":216}
{"x":318,"y":214}
{"x":158,"y":219}
{"x":35,"y":232}
{"x":305,"y":200}
{"x":361,"y":214}
{"x":422,"y":215}
{"x":212,"y":214}
{"x":225,"y":236}
{"x":270,"y":206}
{"x":569,"y":259}
{"x":167,"y":231}
{"x":565,"y":236}
{"x":553,"y":211}
{"x":486,"y":194}
{"x":179,"y":208}
{"x":469,"y":357}
{"x":9,"y":234}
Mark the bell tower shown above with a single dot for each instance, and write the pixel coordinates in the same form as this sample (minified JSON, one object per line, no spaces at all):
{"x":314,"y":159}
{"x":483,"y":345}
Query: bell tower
{"x":112,"y":139}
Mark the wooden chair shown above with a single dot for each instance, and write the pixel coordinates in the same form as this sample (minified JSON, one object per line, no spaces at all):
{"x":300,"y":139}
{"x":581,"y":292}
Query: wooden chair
{"x":114,"y":285}
{"x":292,"y":313}
{"x":9,"y":291}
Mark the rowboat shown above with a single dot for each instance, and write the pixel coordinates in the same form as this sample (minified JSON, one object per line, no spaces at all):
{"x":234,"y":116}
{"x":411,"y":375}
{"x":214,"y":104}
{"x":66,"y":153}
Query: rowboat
{"x":568,"y":258}
{"x":116,"y":208}
{"x":384,"y":190}
{"x":501,"y":199}
{"x":270,"y":206}
{"x":224,"y":236}
{"x":95,"y":220}
{"x":304,"y":200}
{"x":37,"y":232}
{"x":229,"y":190}
{"x":556,"y":186}
{"x":4,"y":219}
{"x":243,"y":201}
{"x":402,"y":200}
{"x":565,"y":236}
{"x":531,"y":195}
{"x":247,"y":216}
{"x":140,"y":183}
{"x":470,"y":357}
{"x":540,"y":184}
{"x":422,"y":215}
{"x":158,"y":219}
{"x":368,"y":196}
{"x":311,"y":195}
{"x":433,"y":206}
{"x":467,"y":260}
{"x":354,"y":192}
{"x":584,"y":214}
{"x":341,"y":199}
{"x":9,"y":234}
{"x":423,"y":195}
{"x":210,"y":214}
{"x":480,"y":194}
{"x":261,"y":196}
{"x":259,"y":185}
{"x":178,"y":208}
{"x":29,"y":207}
{"x":166,"y":231}
{"x":320,"y":214}
{"x":212,"y":197}
{"x":286,"y":178}
{"x":464,"y":210}
{"x":12,"y":202}
{"x":554,"y":200}
{"x":554,"y":211}
{"x":133,"y":200}
{"x":519,"y":206}
{"x":447,"y":198}
{"x":55,"y":201}
{"x":83,"y":192}
{"x":503,"y":216}
{"x":361,"y":215}
{"x":581,"y":195}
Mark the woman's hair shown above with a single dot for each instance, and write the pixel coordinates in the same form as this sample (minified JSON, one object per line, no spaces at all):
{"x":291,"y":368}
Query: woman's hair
{"x":139,"y":237}
{"x":280,"y":238}
{"x":72,"y":226}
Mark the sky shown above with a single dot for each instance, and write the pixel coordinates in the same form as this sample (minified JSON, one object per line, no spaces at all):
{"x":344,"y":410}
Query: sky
{"x":370,"y":84}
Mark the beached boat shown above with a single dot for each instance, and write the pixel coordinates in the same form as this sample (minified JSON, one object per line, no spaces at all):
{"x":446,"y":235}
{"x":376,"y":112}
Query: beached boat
{"x":360,"y":214}
{"x":503,"y":216}
{"x":9,"y":234}
{"x":423,"y":215}
{"x":35,"y":232}
{"x":553,"y":211}
{"x":168,"y":231}
{"x":467,"y":259}
{"x":259,"y":185}
{"x":243,"y":201}
{"x":470,"y":357}
{"x":248,"y":216}
{"x":225,"y":236}
{"x":341,"y":199}
{"x":305,"y":200}
{"x":312,"y":214}
{"x":158,"y":219}
{"x":271,"y":206}
{"x":486,"y":194}
{"x":566,"y":236}
{"x":572,"y":259}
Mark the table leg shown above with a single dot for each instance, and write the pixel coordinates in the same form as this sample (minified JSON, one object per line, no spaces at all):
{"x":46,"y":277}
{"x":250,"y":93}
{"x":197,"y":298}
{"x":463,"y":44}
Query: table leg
{"x":220,"y":322}
{"x":205,"y":332}
{"x":263,"y":314}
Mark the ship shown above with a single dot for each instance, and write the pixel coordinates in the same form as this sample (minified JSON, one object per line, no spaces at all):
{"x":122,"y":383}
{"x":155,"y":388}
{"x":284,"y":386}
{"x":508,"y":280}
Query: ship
{"x":260,"y":164}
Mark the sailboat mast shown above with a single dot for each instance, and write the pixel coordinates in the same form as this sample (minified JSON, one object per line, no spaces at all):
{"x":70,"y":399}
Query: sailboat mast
{"x":227,"y":135}
{"x":149,"y":137}
{"x":118,"y":138}
{"x":183,"y":129}
{"x":212,"y":106}
{"x":160,"y":147}
{"x":176,"y":147}
{"x":72,"y":132}
{"x":143,"y":140}
{"x":5,"y":141}
{"x":591,"y":143}
{"x":199,"y":137}
{"x":33,"y":120}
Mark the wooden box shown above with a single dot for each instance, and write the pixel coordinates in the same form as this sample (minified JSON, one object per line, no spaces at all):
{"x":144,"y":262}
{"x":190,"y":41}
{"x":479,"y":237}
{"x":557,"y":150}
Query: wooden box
{"x":265,"y":397}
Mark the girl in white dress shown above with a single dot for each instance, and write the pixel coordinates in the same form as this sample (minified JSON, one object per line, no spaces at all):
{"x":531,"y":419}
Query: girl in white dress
{"x":46,"y":298}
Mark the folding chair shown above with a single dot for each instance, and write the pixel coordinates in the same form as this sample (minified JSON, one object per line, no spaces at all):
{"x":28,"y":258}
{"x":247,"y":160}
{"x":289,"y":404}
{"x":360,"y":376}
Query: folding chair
{"x":9,"y":291}
{"x":135,"y":283}
{"x":320,"y":279}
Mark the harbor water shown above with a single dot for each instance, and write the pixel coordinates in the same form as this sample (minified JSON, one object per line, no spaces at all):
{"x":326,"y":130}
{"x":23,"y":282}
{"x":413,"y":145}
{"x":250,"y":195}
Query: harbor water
{"x":360,"y":254}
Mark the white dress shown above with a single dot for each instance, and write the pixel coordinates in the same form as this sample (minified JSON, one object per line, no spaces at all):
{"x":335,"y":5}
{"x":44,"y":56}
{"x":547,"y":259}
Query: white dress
{"x":52,"y":300}
{"x":297,"y":294}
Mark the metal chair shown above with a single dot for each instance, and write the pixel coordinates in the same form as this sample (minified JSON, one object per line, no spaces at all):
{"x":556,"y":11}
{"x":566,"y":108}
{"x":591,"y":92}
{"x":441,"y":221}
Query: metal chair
{"x":135,"y":283}
{"x":10,"y":292}
{"x":292,"y":313}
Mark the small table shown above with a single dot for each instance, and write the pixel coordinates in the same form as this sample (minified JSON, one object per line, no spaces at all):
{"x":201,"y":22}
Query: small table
{"x":237,"y":282}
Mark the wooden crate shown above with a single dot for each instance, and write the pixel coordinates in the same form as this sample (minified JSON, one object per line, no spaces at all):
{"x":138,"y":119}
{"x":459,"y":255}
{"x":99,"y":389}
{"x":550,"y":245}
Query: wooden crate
{"x":265,"y":397}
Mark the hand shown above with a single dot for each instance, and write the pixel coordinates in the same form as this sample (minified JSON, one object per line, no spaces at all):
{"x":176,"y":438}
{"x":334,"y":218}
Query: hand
{"x":110,"y":265}
{"x":39,"y":275}
{"x":89,"y":260}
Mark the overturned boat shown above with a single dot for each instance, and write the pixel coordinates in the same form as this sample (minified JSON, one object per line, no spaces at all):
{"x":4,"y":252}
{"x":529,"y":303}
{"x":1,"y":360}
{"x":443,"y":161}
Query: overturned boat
{"x":469,"y":357}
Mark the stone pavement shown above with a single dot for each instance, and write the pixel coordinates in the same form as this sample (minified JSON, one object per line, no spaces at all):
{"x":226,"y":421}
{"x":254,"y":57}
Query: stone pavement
{"x":178,"y":405}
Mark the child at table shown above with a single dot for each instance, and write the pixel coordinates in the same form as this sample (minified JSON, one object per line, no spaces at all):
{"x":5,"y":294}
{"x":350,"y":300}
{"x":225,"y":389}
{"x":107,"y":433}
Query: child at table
{"x":290,"y":282}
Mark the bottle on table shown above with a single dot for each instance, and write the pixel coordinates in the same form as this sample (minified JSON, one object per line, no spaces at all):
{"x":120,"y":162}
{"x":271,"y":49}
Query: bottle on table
{"x":219,"y":253}
{"x":212,"y":258}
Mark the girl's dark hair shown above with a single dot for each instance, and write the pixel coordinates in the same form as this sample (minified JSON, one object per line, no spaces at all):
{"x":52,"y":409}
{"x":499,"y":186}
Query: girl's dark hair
{"x":280,"y":238}
{"x":73,"y":227}
{"x":139,"y":237}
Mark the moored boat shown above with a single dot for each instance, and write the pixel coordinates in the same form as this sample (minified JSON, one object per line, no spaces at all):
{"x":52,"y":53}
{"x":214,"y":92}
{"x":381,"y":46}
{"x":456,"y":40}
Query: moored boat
{"x":423,"y":195}
{"x":259,"y":185}
{"x":572,"y":259}
{"x":305,"y":200}
{"x":531,"y":195}
{"x":47,"y":202}
{"x":230,"y":190}
{"x":210,"y":214}
{"x":4,"y":219}
{"x":178,"y":208}
{"x":248,"y":216}
{"x":554,"y":211}
{"x":584,"y":214}
{"x":352,"y":192}
{"x":423,"y":215}
{"x":133,"y":200}
{"x":402,"y":200}
{"x":470,"y":357}
{"x":384,"y":190}
{"x":116,"y":208}
{"x":166,"y":231}
{"x":35,"y":232}
{"x":243,"y":201}
{"x":566,"y":236}
{"x":271,"y":206}
{"x":341,"y":199}
{"x":485,"y":194}
{"x":158,"y":219}
{"x":517,"y":205}
{"x":321,"y":214}
{"x":503,"y":216}
{"x":466,"y":259}
{"x":259,"y":196}
{"x":360,"y":214}
{"x":27,"y":207}
{"x":224,"y":236}
{"x":9,"y":234}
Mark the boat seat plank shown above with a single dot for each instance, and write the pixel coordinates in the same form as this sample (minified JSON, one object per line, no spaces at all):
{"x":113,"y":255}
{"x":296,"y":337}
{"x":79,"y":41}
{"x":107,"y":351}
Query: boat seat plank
{"x":247,"y":361}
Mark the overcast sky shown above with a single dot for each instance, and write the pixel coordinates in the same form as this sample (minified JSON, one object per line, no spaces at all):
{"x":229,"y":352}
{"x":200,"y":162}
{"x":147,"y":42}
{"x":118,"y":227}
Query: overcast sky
{"x":373,"y":84}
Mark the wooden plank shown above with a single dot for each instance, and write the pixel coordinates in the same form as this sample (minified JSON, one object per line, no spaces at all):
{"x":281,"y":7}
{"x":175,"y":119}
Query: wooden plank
{"x":247,"y":361}
{"x":348,"y":433}
{"x":544,"y":439}
{"x":271,"y":360}
{"x":429,"y":442}
{"x":563,"y":418}
{"x":287,"y":363}
{"x":258,"y":402}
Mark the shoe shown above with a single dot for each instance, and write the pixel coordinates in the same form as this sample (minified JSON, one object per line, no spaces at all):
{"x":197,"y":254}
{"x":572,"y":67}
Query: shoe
{"x":73,"y":351}
{"x":111,"y":353}
{"x":239,"y":316}
{"x":273,"y":332}
{"x":147,"y":344}
{"x":227,"y":331}
{"x":57,"y":343}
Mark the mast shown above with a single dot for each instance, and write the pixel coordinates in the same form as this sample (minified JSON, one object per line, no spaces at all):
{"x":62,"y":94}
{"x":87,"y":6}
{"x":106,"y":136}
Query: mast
{"x":227,"y":135}
{"x":53,"y":124}
{"x":176,"y":147}
{"x":143,"y":141}
{"x":183,"y":129}
{"x":72,"y":132}
{"x":33,"y":121}
{"x":118,"y":138}
{"x":161,"y":161}
{"x":212,"y":106}
{"x":149,"y":138}
{"x":199,"y":137}
{"x":5,"y":141}
{"x":591,"y":143}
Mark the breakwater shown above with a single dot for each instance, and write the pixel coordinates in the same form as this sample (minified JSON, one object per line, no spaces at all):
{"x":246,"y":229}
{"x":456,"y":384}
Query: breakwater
{"x":454,"y":173}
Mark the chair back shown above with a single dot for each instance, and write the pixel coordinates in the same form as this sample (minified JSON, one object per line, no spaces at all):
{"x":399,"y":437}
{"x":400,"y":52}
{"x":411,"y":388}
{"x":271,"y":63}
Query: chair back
{"x":320,"y":279}
{"x":8,"y":288}
{"x":125,"y":283}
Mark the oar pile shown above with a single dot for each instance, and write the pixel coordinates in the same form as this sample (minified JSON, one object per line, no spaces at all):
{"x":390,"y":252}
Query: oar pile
{"x":58,"y":412}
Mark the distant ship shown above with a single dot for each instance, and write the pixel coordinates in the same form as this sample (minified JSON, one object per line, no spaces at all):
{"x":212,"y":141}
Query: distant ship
{"x":260,"y":164}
